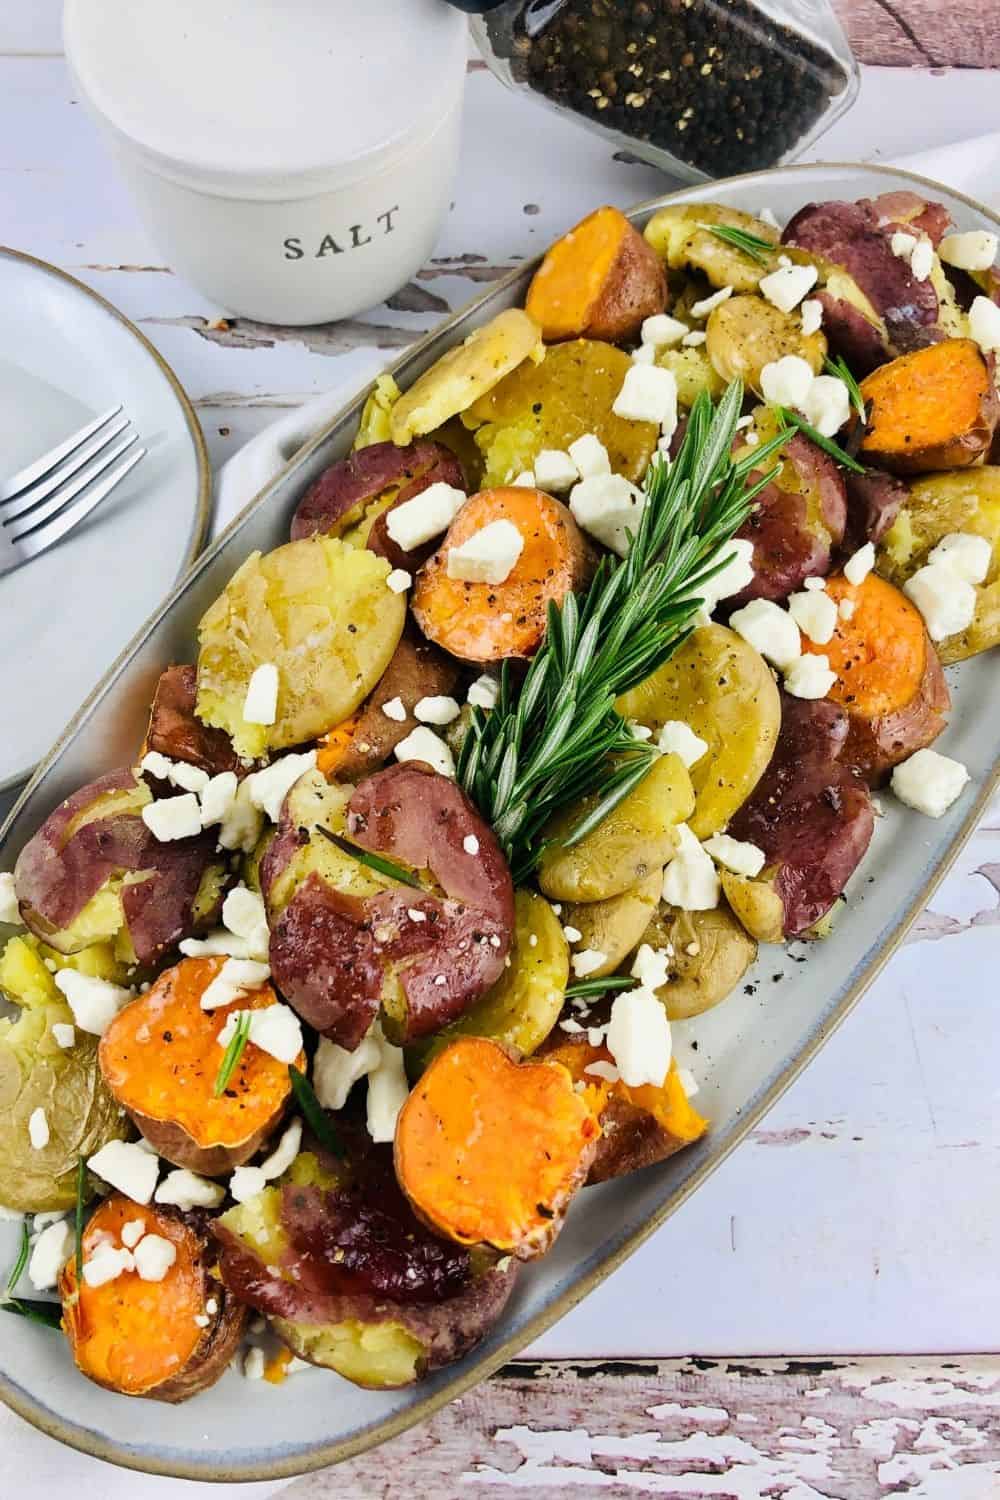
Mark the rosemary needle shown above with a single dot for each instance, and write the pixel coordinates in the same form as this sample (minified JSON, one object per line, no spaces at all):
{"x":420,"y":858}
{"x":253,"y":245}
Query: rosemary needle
{"x":313,"y":1112}
{"x":752,"y":245}
{"x":376,"y":862}
{"x":233,"y":1053}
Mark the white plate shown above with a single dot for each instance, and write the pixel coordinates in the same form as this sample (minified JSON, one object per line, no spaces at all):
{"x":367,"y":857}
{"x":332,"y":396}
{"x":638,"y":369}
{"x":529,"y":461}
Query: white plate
{"x":66,"y":356}
{"x":749,"y":1049}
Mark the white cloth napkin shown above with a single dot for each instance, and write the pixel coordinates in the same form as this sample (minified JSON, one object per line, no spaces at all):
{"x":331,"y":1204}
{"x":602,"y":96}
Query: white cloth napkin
{"x":970,"y":166}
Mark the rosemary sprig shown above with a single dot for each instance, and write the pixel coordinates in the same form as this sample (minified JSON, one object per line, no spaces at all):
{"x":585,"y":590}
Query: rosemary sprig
{"x":49,"y":1313}
{"x":233,"y":1053}
{"x":559,"y":739}
{"x":600,"y":986}
{"x":838,"y":367}
{"x":753,"y":245}
{"x":313,"y":1113}
{"x":787,"y":419}
{"x":377,"y":862}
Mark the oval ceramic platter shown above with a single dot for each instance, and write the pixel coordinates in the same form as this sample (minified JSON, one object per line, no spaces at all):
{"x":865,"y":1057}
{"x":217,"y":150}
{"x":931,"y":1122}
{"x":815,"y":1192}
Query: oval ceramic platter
{"x":68,"y":355}
{"x":750,"y":1048}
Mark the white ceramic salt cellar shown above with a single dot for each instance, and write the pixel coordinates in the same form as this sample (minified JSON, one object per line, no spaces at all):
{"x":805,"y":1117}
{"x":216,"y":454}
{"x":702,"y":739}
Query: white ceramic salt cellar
{"x":292,"y":159}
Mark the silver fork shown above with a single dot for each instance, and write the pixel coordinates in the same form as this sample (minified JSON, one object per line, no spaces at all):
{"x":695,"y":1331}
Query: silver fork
{"x":44,"y":501}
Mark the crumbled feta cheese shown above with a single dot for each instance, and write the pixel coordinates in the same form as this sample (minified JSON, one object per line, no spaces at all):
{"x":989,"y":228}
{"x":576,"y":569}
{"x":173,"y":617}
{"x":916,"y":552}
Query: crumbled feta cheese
{"x":770,"y":630}
{"x":929,"y":782}
{"x":815,"y":582}
{"x":648,"y":394}
{"x":810,"y":676}
{"x":687,"y":1081}
{"x":425,"y":516}
{"x":201,"y":1320}
{"x":609,"y":507}
{"x":690,"y":880}
{"x":423,"y":744}
{"x":572,"y":934}
{"x":586,"y":961}
{"x":973,"y":250}
{"x":436,"y":710}
{"x":170,"y":818}
{"x":260,"y":706}
{"x":188,"y":778}
{"x":63,"y":1034}
{"x":752,"y":439}
{"x":525,"y":480}
{"x":738,"y":855}
{"x":766,"y":216}
{"x":395,"y":709}
{"x":590,"y":456}
{"x":387,"y":1090}
{"x":399,"y":580}
{"x":184,"y":1189}
{"x":336,"y":1071}
{"x":244,"y":915}
{"x":645,"y":354}
{"x":470,"y":844}
{"x":267,"y":789}
{"x":984,"y":323}
{"x":153,"y":1257}
{"x":235,"y":978}
{"x":815,"y":613}
{"x":694,"y":339}
{"x":786,"y":381}
{"x":9,"y":911}
{"x":638,"y":1038}
{"x":946,"y":601}
{"x":246,"y":1183}
{"x":641,"y":732}
{"x":812,"y":316}
{"x":49,"y":1254}
{"x":859,"y":564}
{"x":106,"y":1263}
{"x":709,"y":304}
{"x":254,"y":1364}
{"x":219,"y":944}
{"x":127,"y":1167}
{"x":483,"y":693}
{"x":602,"y":1069}
{"x":651,"y":966}
{"x":922,"y":259}
{"x":38,"y":1129}
{"x":734,"y":576}
{"x":217,"y":798}
{"x":678,"y":738}
{"x":489,"y":555}
{"x":661,"y":331}
{"x":903,"y":244}
{"x":555,"y":470}
{"x":94,"y":1002}
{"x":275,"y":1029}
{"x":964,"y":553}
{"x":156,"y":765}
{"x":415,"y":914}
{"x":284,"y":1153}
{"x":828,"y":404}
{"x":787,"y":286}
{"x":846,"y":608}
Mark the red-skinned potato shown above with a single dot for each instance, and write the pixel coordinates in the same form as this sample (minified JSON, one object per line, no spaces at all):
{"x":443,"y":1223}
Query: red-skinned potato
{"x":903,"y":209}
{"x":889,"y":678}
{"x":344,"y":940}
{"x":140,"y":1338}
{"x":352,"y":497}
{"x":176,"y":732}
{"x":75,"y":878}
{"x":934,"y":408}
{"x":349,"y":1276}
{"x":810,"y":813}
{"x":874,"y":500}
{"x":160,"y":1058}
{"x":365,"y":741}
{"x":601,"y":280}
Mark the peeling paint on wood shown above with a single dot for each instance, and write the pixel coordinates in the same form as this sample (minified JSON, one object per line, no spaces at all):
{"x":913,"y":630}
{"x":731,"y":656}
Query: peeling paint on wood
{"x":758,"y":1430}
{"x":321,"y":338}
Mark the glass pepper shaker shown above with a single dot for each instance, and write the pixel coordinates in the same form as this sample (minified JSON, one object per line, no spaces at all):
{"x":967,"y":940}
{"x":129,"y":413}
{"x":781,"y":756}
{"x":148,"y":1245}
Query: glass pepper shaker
{"x":701,"y":88}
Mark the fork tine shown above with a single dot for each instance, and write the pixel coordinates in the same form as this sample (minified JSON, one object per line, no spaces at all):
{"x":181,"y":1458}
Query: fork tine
{"x":47,"y":510}
{"x":63,"y":471}
{"x":17,"y":482}
{"x":40,"y":538}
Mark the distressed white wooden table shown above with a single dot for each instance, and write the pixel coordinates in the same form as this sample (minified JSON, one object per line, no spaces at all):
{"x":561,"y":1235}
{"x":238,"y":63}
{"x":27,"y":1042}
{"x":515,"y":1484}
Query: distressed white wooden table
{"x":863,"y":1218}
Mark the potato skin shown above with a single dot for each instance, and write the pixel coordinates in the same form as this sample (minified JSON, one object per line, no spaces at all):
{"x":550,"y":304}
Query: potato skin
{"x":176,"y":1146}
{"x":176,"y":732}
{"x":919,"y":385}
{"x":703,"y":979}
{"x":218,"y":1347}
{"x":746,"y":333}
{"x":632,"y":287}
{"x":635,"y":289}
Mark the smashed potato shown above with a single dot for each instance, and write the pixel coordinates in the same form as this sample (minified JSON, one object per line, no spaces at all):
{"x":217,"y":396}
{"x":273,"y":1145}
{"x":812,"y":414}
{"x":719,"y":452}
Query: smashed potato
{"x":320,"y":612}
{"x":676,"y":234}
{"x":615,"y":926}
{"x":712,"y":952}
{"x":747,"y":333}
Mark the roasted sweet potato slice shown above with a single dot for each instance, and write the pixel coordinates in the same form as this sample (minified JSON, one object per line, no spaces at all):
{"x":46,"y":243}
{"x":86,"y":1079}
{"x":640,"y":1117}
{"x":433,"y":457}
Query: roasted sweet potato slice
{"x":936,"y":408}
{"x":487,"y":622}
{"x":600,"y":280}
{"x":141,"y":1338}
{"x":490,"y":1151}
{"x":639,"y":1126}
{"x":176,"y":731}
{"x":889,"y":678}
{"x":160,"y":1058}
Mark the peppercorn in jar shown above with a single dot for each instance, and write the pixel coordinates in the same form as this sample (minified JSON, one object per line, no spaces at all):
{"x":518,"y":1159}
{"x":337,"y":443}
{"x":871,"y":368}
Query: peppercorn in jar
{"x":703,"y":88}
